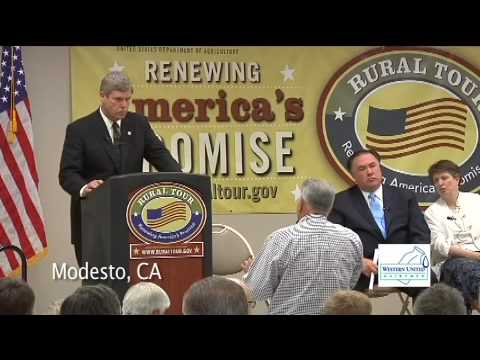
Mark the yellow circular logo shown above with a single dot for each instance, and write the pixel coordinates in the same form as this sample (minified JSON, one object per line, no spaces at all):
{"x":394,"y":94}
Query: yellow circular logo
{"x":413,"y":106}
{"x":166,"y":213}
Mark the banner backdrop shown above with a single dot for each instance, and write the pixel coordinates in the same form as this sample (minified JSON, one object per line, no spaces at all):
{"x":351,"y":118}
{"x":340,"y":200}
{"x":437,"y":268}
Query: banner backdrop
{"x":261,"y":120}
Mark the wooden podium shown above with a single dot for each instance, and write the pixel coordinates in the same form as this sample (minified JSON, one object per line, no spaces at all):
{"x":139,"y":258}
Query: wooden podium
{"x":149,"y":227}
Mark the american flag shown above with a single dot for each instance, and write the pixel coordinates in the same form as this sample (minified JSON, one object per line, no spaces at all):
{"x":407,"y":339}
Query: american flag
{"x":396,"y":133}
{"x":156,"y":218}
{"x":21,"y":217}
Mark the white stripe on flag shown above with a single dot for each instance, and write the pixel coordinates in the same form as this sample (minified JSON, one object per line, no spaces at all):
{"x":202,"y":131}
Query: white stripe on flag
{"x":30,"y":186}
{"x":14,"y":192}
{"x":12,"y":237}
{"x":26,"y":121}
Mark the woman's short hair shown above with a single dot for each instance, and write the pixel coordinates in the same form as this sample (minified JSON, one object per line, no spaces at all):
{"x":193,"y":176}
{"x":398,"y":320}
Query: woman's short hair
{"x":444,"y":166}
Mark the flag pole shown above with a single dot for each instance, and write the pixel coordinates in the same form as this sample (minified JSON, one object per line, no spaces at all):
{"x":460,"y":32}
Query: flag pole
{"x":12,"y":135}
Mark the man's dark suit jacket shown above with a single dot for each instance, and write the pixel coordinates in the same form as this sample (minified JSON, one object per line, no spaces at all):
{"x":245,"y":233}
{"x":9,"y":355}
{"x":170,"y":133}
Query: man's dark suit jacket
{"x":404,"y":220}
{"x":88,"y":154}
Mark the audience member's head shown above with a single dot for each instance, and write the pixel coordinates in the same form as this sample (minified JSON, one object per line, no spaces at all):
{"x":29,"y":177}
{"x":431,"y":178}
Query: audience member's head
{"x":440,"y":299}
{"x":248,"y":292}
{"x":16,"y":297}
{"x":316,"y":198}
{"x":145,"y":298}
{"x":215,"y":296}
{"x":348,"y":302}
{"x":92,"y":300}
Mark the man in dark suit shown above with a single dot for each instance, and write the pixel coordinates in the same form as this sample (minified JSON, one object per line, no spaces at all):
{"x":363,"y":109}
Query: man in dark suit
{"x":110,"y":141}
{"x":400,"y":222}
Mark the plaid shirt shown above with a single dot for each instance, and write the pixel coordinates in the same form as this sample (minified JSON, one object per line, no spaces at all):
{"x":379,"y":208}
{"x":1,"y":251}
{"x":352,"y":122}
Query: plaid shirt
{"x":302,"y":265}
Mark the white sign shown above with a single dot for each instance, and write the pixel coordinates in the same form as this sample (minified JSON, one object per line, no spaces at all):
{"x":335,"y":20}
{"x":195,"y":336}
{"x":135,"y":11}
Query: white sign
{"x":404,"y":265}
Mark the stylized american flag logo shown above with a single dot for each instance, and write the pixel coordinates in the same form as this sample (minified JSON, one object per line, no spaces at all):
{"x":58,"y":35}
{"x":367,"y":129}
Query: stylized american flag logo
{"x":156,"y":218}
{"x":432,"y":124}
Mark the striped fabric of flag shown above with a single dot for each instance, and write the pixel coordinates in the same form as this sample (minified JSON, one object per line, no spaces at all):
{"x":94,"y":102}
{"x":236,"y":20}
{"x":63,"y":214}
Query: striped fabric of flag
{"x":21,"y":217}
{"x":428,"y":125}
{"x":156,"y":218}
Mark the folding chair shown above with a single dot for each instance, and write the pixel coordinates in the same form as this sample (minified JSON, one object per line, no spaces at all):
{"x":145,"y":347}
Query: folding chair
{"x":378,"y":292}
{"x":230,"y":249}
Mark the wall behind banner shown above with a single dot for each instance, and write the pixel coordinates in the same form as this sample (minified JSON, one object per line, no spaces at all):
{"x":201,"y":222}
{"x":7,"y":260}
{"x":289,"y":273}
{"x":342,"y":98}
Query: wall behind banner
{"x":48,"y":81}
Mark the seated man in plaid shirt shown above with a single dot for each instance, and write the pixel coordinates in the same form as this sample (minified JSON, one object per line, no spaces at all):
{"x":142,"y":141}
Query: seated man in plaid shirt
{"x":302,"y":265}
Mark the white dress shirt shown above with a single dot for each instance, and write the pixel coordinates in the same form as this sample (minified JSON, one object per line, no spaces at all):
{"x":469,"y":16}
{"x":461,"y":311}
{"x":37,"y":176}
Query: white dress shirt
{"x":108,"y":124}
{"x":378,"y":194}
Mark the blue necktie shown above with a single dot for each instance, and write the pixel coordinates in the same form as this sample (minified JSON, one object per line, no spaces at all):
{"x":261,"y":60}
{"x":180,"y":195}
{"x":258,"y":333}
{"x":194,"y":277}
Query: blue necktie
{"x":377,"y":212}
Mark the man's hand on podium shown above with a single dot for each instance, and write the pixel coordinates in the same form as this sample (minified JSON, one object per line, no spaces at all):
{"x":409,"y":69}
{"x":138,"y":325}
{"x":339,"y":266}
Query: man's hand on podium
{"x":91,"y":186}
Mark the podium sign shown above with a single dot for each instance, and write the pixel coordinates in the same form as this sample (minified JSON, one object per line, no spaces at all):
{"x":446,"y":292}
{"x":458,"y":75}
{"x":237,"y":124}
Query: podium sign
{"x":157,"y":226}
{"x":404,"y":265}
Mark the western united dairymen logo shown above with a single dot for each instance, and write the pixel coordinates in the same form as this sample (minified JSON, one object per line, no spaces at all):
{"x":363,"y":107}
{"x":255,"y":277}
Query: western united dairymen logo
{"x":404,"y":265}
{"x":413,"y":106}
{"x":166,"y":213}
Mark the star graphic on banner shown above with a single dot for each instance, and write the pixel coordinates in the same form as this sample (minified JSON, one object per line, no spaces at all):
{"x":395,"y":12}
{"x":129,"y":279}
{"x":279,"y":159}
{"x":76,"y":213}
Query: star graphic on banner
{"x":296,"y":193}
{"x":287,"y":73}
{"x":339,"y":114}
{"x":136,"y":251}
{"x":117,"y":67}
{"x":197,"y":249}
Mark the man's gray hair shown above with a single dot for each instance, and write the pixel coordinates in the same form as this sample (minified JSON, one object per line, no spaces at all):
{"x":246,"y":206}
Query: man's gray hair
{"x":319,"y":195}
{"x":115,"y":80}
{"x":144,"y":298}
{"x":440,"y":299}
